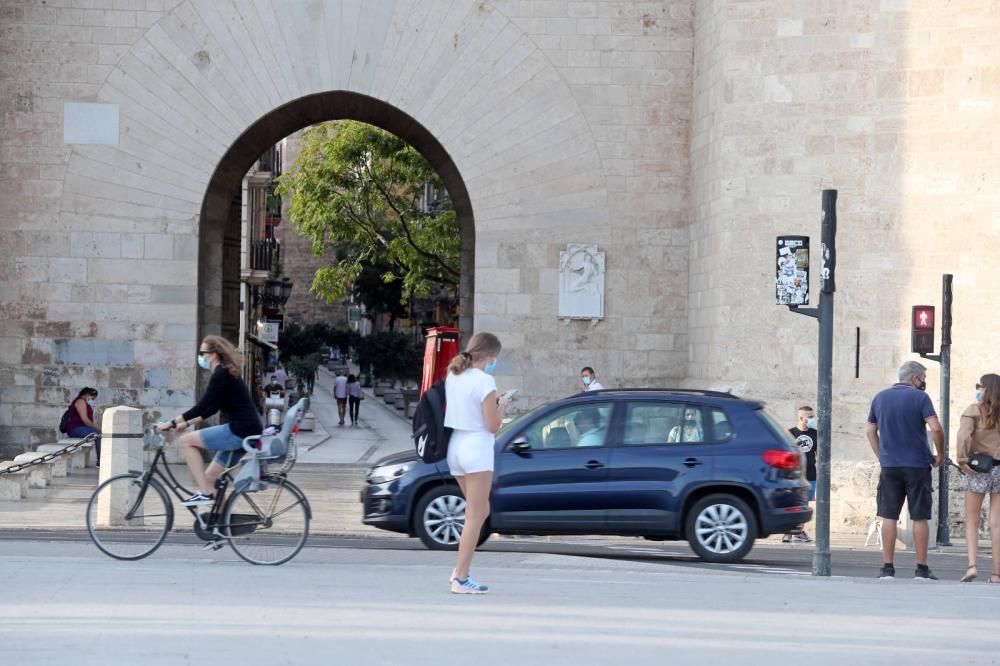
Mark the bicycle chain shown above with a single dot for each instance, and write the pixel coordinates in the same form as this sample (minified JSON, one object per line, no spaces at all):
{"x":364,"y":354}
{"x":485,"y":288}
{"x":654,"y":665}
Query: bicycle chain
{"x":48,"y":457}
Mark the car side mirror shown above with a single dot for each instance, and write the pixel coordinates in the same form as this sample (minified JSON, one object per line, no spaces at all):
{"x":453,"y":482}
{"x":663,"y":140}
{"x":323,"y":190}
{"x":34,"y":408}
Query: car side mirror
{"x":520,"y":445}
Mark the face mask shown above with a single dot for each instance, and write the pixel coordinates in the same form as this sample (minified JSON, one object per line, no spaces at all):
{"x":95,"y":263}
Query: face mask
{"x":586,"y":380}
{"x":811,"y":422}
{"x":203,"y":362}
{"x":490,"y":367}
{"x":90,"y":401}
{"x":922,"y":386}
{"x":979,"y":395}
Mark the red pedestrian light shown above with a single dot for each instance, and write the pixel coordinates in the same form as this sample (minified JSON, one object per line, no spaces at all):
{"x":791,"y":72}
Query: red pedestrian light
{"x":923,"y":317}
{"x":922,"y":329}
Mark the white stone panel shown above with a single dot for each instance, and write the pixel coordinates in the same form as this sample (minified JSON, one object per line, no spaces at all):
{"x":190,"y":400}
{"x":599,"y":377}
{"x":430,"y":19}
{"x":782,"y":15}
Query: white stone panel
{"x":90,"y":123}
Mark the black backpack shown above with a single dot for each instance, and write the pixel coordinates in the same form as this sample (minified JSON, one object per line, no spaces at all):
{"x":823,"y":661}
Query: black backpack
{"x":64,"y":421}
{"x":430,"y":436}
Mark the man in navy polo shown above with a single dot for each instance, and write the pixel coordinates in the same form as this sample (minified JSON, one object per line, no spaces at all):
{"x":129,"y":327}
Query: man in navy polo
{"x":897,"y":431}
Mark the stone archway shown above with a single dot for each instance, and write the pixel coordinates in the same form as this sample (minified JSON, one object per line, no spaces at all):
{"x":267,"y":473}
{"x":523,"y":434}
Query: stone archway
{"x":210,"y":84}
{"x":289,"y":118}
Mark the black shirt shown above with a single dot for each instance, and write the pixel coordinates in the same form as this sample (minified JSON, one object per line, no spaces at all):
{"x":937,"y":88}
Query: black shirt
{"x":806,"y":439}
{"x":229,"y":395}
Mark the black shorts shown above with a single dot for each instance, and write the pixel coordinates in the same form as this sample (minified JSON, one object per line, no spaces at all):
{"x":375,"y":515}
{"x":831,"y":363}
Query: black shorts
{"x":912,"y":484}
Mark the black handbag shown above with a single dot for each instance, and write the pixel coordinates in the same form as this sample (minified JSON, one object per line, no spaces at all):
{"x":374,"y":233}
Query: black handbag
{"x":982,"y":463}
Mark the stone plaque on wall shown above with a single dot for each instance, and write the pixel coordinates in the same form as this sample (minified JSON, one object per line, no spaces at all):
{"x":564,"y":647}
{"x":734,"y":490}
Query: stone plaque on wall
{"x":581,"y":282}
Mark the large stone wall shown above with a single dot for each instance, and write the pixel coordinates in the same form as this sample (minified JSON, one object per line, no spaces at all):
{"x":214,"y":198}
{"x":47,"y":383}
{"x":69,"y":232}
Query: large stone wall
{"x":895,"y":104}
{"x":567,"y":122}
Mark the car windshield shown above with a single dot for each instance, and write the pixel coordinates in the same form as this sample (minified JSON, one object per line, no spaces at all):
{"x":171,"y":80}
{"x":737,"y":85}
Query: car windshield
{"x":514,"y":423}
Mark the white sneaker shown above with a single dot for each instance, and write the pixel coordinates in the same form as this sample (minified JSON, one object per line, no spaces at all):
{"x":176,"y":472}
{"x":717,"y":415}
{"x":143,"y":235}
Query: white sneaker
{"x":467,"y":586}
{"x":199,"y":499}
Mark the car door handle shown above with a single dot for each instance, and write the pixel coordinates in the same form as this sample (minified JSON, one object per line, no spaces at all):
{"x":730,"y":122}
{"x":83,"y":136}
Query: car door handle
{"x":594,"y":464}
{"x":691,"y":462}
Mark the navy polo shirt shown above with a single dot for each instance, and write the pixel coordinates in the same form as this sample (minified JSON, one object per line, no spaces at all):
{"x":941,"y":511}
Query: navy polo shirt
{"x":901,"y":412}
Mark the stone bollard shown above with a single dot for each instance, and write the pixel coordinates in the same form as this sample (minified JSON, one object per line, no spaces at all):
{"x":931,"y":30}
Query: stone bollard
{"x":121,"y":452}
{"x":904,"y":531}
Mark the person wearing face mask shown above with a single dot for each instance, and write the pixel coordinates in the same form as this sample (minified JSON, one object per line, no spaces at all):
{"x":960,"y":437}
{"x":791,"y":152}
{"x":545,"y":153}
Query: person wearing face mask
{"x":897,"y":432}
{"x":979,"y":433}
{"x":588,"y":380}
{"x":474,"y":414}
{"x":81,"y":418}
{"x":689,"y":430}
{"x":805,"y":435}
{"x":225,"y":393}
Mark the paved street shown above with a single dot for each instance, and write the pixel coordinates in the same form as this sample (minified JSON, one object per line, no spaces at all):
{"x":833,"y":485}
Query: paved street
{"x":380,"y":606}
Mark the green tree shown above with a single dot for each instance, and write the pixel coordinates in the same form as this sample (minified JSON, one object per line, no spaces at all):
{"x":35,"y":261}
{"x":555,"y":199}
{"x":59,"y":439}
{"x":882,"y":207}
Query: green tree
{"x":356,"y":189}
{"x":381,"y":295}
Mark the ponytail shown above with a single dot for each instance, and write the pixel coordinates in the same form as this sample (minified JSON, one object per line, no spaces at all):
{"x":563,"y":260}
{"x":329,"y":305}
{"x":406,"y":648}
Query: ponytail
{"x":480,"y":346}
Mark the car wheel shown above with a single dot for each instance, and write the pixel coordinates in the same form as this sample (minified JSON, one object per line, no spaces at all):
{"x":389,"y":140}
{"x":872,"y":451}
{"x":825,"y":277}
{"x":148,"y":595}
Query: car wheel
{"x":440,"y":517}
{"x":721,"y":528}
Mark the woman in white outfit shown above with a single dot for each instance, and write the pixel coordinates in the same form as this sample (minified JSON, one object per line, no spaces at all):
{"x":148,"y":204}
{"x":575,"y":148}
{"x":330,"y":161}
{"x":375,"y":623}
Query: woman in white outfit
{"x":474,"y":412}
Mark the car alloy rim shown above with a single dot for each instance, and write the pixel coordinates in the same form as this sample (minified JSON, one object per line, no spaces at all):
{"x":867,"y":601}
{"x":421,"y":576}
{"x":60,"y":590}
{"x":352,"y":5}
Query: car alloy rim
{"x":444,"y":519}
{"x":721,"y":528}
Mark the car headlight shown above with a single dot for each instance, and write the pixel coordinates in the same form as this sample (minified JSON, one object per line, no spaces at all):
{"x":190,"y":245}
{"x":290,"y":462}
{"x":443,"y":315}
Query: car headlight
{"x":388,"y":472}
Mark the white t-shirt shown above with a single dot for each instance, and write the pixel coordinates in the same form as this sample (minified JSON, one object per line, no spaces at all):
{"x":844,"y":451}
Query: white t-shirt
{"x":340,"y":387}
{"x":595,"y":386}
{"x":464,"y":394}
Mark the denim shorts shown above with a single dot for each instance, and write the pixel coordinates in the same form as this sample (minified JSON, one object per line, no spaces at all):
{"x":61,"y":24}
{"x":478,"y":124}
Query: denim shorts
{"x":228,"y":447}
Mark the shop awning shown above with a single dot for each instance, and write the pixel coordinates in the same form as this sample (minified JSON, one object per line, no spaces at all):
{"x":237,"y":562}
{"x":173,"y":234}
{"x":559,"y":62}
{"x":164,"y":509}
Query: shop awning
{"x":261,"y":343}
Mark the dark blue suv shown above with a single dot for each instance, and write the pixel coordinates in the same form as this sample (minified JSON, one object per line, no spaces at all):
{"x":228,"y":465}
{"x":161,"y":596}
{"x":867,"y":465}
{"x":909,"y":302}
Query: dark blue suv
{"x":664,"y":464}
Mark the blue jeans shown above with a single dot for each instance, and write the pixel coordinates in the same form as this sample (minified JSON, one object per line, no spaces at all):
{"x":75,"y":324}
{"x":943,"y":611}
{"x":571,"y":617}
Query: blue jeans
{"x":82,"y":431}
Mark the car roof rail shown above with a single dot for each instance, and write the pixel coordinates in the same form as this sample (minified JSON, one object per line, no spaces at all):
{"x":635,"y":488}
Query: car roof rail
{"x":653,"y":389}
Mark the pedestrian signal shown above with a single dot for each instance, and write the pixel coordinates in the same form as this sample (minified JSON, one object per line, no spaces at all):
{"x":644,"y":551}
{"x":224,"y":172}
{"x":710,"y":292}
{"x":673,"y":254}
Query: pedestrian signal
{"x":922,"y":329}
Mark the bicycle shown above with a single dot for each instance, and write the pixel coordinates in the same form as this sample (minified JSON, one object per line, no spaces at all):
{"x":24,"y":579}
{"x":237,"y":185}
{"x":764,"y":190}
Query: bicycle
{"x":129,"y":515}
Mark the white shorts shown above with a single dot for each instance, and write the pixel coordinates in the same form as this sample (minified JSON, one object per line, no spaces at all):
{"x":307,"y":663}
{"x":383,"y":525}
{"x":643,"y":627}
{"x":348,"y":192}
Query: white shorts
{"x":470,"y":451}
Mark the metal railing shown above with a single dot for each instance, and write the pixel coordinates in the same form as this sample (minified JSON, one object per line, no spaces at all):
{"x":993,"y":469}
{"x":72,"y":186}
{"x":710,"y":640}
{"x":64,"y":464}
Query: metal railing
{"x":264,"y":254}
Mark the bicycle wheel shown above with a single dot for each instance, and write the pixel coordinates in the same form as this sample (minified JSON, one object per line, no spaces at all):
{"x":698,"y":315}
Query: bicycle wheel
{"x":127,"y":521}
{"x":268,"y":526}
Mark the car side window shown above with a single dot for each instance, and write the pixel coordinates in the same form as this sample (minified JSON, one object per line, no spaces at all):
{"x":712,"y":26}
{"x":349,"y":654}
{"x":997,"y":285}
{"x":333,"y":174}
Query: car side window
{"x":650,"y":423}
{"x":579,"y":426}
{"x":722,"y":430}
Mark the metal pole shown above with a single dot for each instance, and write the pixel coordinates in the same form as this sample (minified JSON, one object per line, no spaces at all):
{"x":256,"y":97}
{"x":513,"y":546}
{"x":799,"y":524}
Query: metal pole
{"x":944,"y":533}
{"x":821,"y":558}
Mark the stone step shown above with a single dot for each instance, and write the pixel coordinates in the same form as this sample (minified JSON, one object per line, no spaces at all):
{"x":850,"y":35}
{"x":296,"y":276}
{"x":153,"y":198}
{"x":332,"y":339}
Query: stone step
{"x":13,"y":486}
{"x":38,"y":475}
{"x":75,"y":460}
{"x":89,"y":459}
{"x":58,"y":466}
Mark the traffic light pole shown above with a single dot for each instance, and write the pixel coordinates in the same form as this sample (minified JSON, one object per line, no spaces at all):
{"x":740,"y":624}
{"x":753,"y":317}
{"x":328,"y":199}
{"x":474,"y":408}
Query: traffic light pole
{"x":824,"y":394}
{"x":944,"y":358}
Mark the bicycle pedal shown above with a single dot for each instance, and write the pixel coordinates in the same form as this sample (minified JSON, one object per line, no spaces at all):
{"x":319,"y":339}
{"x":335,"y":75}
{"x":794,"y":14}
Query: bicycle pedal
{"x":213,"y":545}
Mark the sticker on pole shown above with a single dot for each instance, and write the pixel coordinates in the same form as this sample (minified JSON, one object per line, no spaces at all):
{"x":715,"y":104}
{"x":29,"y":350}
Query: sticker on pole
{"x":792,"y":274}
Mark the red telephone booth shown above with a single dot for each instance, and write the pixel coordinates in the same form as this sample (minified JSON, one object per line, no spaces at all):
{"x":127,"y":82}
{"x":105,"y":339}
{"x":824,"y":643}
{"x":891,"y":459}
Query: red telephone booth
{"x":440,"y":348}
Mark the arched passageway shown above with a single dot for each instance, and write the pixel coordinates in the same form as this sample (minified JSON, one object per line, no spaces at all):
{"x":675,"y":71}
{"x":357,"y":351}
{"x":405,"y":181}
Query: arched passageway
{"x":220,"y":209}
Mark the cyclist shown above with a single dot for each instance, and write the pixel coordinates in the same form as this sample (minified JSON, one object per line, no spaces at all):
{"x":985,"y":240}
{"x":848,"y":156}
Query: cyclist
{"x":227,"y":393}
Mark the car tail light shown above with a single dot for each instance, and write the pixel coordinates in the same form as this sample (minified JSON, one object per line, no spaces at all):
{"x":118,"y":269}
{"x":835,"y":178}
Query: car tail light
{"x":781,"y":459}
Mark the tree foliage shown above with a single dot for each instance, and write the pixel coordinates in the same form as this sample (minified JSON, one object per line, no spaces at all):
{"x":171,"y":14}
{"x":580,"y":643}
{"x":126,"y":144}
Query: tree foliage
{"x":356,"y":189}
{"x":391,"y":355}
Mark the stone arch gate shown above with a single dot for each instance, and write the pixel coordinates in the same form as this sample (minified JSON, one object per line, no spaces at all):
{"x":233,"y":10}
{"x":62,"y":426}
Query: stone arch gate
{"x":104,"y":280}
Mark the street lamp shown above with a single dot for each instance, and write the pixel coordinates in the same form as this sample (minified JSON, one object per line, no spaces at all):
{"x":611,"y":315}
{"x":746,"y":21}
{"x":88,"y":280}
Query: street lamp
{"x":277,"y":292}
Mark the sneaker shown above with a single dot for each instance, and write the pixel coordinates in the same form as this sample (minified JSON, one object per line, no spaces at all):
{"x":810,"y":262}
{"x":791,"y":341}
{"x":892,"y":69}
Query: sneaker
{"x":924,"y":573}
{"x":887,"y":572}
{"x":467,"y":586}
{"x":787,"y":538}
{"x":199,"y":499}
{"x":801,"y":537}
